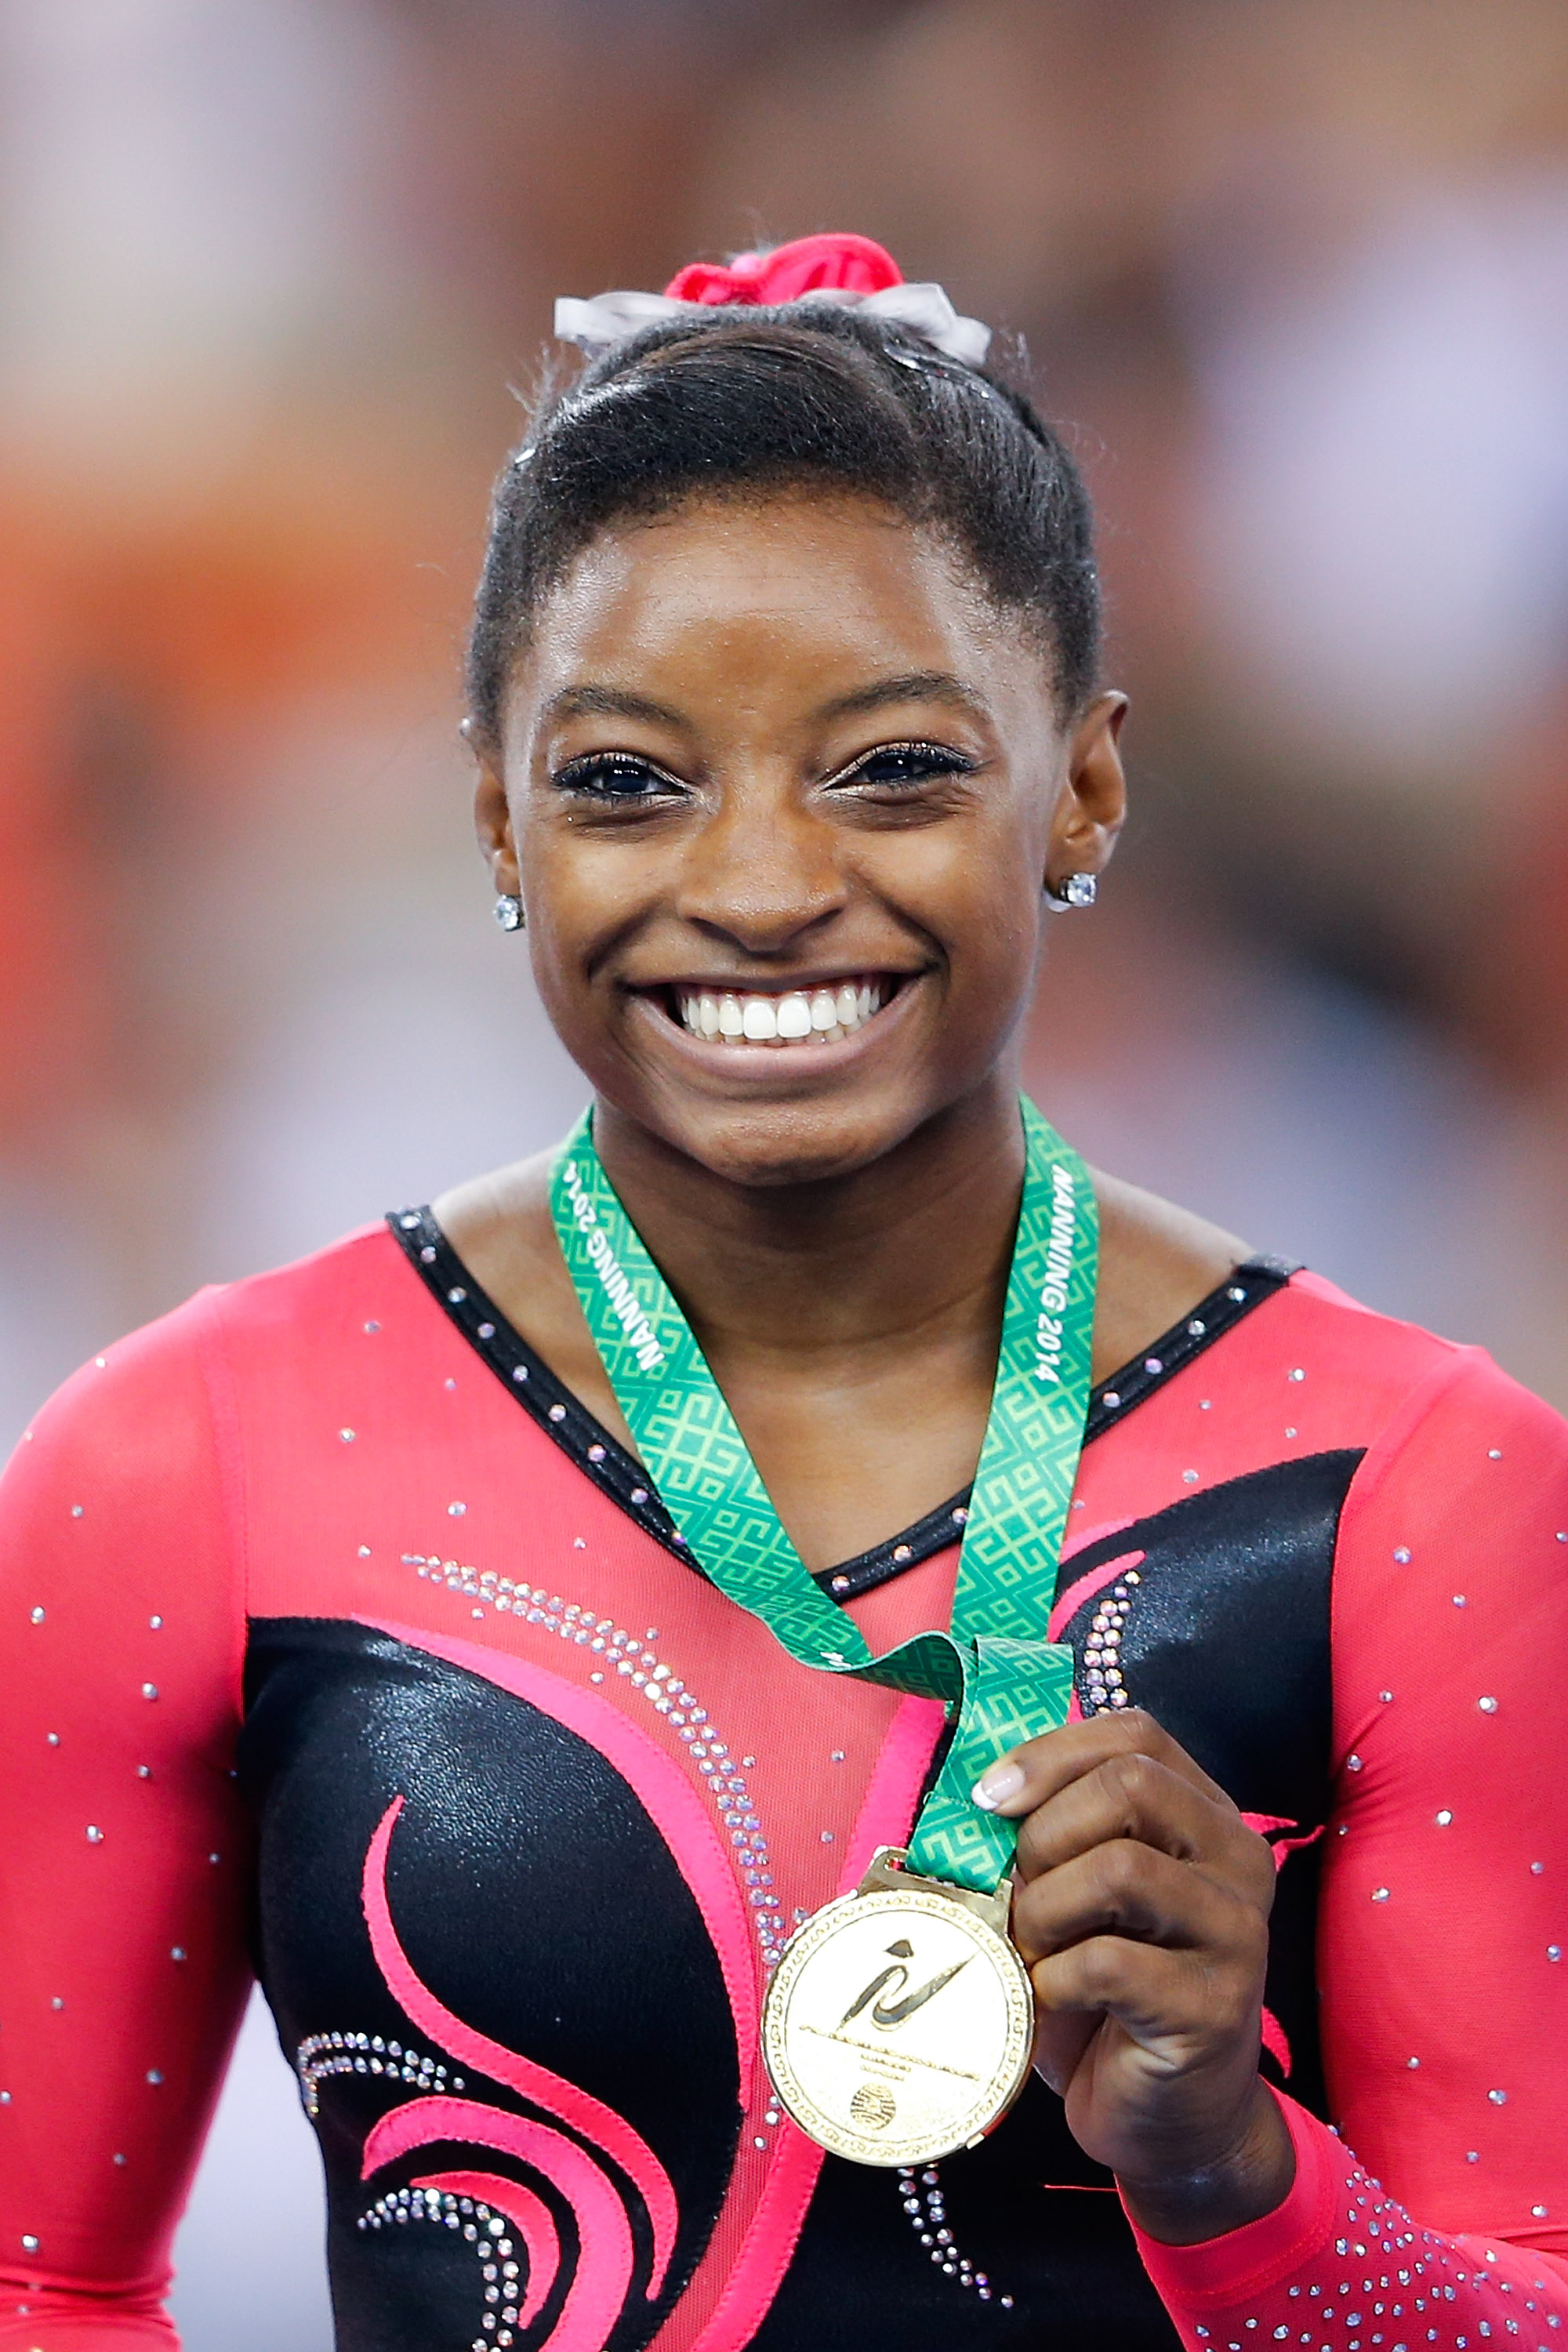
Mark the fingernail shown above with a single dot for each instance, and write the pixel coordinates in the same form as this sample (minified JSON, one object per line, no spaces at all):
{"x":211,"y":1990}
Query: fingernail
{"x":995,"y":1786}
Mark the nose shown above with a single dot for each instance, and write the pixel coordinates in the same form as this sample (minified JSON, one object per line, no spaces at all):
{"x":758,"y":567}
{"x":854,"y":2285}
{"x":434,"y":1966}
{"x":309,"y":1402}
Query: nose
{"x":764,"y":874}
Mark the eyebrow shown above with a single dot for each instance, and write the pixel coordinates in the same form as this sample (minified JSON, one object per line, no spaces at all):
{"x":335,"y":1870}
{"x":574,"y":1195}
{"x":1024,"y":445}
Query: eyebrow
{"x":916,"y":685}
{"x":609,"y":702}
{"x":590,"y":701}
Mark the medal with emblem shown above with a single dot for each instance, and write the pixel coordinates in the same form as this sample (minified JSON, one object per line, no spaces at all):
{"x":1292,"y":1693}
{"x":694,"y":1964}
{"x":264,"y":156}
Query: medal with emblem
{"x":899,"y":2025}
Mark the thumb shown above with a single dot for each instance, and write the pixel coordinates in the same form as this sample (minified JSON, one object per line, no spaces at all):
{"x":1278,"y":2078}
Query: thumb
{"x":1060,"y":2042}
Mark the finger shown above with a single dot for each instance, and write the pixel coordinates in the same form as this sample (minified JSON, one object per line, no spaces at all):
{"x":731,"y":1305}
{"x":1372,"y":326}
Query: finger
{"x":1131,"y":1890}
{"x":1138,"y":1797}
{"x":1161,"y":1999}
{"x":1034,"y":1773}
{"x":1061,"y":2037}
{"x":1132,"y":1795}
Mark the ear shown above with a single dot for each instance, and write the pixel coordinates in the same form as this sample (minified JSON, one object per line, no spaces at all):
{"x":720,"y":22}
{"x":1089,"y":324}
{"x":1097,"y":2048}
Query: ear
{"x":492,"y":814}
{"x":1092,"y":806}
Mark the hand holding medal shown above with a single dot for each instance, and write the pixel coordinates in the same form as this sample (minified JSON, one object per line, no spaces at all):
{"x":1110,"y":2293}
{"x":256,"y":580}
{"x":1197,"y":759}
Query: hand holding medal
{"x":1141,"y":1913}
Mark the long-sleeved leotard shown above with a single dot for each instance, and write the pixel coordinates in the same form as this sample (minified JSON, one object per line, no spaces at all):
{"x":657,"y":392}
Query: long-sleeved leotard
{"x":332,"y":1630}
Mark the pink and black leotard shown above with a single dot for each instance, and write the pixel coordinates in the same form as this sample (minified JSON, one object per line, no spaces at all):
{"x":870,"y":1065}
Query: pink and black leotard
{"x":340,"y":1643}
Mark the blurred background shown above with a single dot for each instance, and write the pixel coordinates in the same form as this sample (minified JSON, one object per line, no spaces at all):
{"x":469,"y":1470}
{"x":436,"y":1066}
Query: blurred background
{"x":272,"y":273}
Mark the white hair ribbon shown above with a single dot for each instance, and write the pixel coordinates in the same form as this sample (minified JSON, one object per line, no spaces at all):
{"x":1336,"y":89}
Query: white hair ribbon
{"x":607,"y":319}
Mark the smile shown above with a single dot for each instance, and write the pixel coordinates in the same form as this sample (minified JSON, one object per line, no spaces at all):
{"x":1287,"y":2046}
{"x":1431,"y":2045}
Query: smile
{"x":821,"y":1015}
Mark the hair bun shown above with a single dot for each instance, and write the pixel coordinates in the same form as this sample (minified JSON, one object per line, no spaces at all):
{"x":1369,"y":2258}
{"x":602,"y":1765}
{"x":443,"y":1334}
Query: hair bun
{"x":838,"y":262}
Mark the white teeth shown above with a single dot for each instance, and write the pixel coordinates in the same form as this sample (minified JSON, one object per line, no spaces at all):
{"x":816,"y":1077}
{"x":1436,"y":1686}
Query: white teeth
{"x":821,"y":1017}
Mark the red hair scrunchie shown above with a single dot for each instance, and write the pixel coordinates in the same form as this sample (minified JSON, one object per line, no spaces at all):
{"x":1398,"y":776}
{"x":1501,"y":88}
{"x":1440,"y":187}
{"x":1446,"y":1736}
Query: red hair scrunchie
{"x":836,"y":262}
{"x":852,"y":272}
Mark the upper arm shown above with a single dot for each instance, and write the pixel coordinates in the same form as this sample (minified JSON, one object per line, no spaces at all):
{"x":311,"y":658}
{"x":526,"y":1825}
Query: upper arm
{"x":1445,"y":1903}
{"x":122,"y":1848}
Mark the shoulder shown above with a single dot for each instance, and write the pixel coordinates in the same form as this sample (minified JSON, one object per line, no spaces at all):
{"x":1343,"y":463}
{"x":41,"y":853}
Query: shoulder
{"x":1462,"y":1440}
{"x":1272,"y":1368}
{"x":150,"y":1407}
{"x":1450,"y":1590}
{"x":313,"y":1301}
{"x":1157,"y":1262}
{"x":500,"y":1226}
{"x":1418,"y":1388}
{"x":1356,"y":1346}
{"x":1396,"y":1391}
{"x":1462,"y":1484}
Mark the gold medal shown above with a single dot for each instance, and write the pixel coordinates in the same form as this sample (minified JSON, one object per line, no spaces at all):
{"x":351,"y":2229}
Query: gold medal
{"x":899,"y":2022}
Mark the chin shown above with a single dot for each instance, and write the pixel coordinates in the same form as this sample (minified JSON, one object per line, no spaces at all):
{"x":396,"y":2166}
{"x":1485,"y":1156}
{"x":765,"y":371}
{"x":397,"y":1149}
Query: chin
{"x":771,"y":1146}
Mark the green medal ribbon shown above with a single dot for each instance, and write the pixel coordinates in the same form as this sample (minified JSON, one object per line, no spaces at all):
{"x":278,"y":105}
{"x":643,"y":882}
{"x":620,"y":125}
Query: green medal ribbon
{"x":995,"y":1668}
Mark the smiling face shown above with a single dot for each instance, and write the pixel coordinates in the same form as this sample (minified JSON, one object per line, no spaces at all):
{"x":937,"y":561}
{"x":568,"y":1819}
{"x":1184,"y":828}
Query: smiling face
{"x":780,"y":788}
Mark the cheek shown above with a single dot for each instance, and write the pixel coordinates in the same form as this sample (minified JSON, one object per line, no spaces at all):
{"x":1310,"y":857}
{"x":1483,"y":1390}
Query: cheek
{"x":568,"y":920}
{"x":582,"y":892}
{"x":585,"y":898}
{"x":978,"y":892}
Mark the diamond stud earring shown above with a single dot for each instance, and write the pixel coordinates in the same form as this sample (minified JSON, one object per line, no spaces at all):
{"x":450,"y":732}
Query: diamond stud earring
{"x":509,"y":913}
{"x":1072,"y":890}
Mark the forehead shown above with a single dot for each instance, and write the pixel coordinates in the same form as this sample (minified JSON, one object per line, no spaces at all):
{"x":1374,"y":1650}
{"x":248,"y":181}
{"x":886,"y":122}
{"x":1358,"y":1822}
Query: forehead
{"x":800,"y":592}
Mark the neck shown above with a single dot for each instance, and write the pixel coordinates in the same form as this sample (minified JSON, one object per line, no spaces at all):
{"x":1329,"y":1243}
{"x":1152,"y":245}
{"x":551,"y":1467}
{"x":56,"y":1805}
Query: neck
{"x":921,"y":1238}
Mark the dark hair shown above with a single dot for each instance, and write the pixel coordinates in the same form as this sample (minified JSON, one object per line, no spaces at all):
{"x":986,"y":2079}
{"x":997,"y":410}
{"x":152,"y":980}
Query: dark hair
{"x":733,"y":403}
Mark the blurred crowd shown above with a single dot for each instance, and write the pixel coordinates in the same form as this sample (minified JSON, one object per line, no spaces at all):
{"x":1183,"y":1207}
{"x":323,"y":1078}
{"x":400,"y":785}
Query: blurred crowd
{"x":274,"y":274}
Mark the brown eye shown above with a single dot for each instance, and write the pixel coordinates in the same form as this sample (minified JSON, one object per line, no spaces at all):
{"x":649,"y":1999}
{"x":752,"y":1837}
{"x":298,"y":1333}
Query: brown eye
{"x":614,"y":777}
{"x":904,"y":767}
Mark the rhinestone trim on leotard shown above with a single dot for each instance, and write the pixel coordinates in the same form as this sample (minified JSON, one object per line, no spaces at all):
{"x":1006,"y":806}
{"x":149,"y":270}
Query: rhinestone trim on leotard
{"x":618,"y":1474}
{"x":501,"y":2275}
{"x":1102,"y":1685}
{"x":665,"y":1691}
{"x":321,"y":2055}
{"x":925,"y":2203}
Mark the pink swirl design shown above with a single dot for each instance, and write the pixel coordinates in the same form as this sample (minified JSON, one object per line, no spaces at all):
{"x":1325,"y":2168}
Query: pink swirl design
{"x":603,"y":2269}
{"x":604,"y":2260}
{"x":530,"y":2216}
{"x":1084,"y":1590}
